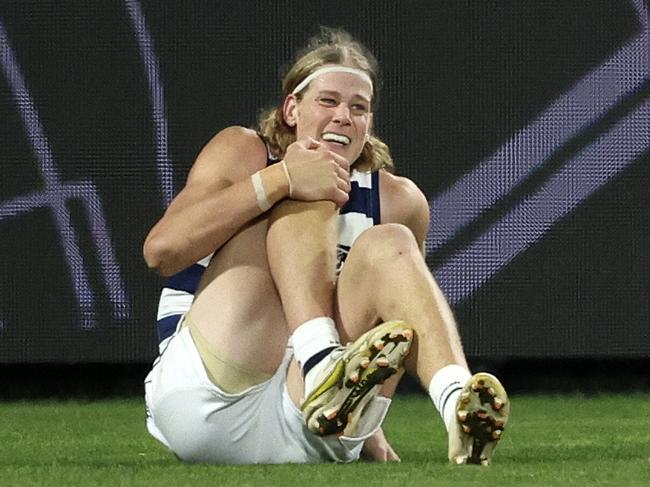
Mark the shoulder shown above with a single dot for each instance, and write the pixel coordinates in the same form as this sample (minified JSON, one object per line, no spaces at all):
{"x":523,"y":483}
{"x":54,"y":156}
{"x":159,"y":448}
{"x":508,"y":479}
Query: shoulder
{"x":238,"y":142}
{"x":403,"y":202}
{"x":401,"y":195}
{"x":235,"y":151}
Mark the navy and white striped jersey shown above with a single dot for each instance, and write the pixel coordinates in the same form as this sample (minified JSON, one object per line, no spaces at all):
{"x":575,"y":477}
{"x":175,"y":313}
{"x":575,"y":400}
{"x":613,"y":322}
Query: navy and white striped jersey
{"x":359,"y":213}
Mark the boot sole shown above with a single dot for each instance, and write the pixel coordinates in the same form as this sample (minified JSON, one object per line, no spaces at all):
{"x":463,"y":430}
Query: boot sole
{"x":483,"y":410}
{"x":368,"y":362}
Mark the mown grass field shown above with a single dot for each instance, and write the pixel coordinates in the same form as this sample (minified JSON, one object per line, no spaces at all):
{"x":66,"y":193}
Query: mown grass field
{"x":564,"y":440}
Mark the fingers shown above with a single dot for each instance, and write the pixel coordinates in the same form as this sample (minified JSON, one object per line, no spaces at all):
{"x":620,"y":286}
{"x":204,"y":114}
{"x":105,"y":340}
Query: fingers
{"x":343,"y":181}
{"x":339,"y":159}
{"x":379,"y":450}
{"x":391,"y":456}
{"x":310,"y":143}
{"x":345,"y":164}
{"x":318,"y":173}
{"x":340,"y":197}
{"x":343,"y":173}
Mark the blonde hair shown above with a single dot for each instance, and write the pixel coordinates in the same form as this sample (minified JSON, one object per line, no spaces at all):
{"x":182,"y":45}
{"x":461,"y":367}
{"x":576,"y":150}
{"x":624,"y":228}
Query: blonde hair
{"x":332,"y":46}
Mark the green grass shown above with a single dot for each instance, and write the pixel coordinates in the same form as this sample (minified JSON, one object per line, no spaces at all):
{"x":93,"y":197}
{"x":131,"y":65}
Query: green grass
{"x":551,"y":440}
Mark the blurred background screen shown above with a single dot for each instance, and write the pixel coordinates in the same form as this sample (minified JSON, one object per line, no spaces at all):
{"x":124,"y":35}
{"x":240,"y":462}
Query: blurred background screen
{"x":526,"y":124}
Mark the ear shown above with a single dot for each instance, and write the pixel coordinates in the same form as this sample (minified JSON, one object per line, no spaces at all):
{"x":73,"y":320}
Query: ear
{"x":290,"y":110}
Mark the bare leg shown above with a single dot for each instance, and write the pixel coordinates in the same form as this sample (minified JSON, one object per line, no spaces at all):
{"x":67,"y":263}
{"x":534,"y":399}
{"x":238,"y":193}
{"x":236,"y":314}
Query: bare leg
{"x":301,"y":247}
{"x":386,"y":278}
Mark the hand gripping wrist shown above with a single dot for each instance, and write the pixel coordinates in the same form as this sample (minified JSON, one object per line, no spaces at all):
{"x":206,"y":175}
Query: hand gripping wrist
{"x":271,"y":177}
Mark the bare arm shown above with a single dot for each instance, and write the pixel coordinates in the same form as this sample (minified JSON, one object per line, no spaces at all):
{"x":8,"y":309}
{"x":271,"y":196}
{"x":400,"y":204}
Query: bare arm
{"x":219,"y":197}
{"x":217,"y":200}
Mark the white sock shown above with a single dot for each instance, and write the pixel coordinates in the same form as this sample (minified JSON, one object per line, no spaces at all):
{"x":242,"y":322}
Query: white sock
{"x":445,"y":388}
{"x":312,"y":337}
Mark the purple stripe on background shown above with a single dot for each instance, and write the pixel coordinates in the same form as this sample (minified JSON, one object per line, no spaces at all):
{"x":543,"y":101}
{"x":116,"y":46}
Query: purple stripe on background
{"x":592,"y":97}
{"x":86,"y":192}
{"x":152,"y":70}
{"x":55,"y":195}
{"x":23,"y":204}
{"x":82,"y":290}
{"x":27,"y":111}
{"x":610,"y":154}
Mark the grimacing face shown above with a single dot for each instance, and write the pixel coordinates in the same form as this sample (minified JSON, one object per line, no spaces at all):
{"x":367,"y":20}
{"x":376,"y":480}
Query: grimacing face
{"x":335,"y":109}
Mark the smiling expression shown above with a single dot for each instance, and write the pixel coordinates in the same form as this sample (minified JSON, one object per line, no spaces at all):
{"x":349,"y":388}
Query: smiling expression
{"x":335,"y":109}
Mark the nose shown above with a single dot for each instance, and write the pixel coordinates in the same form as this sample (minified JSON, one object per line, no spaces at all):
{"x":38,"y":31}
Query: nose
{"x":342,"y":114}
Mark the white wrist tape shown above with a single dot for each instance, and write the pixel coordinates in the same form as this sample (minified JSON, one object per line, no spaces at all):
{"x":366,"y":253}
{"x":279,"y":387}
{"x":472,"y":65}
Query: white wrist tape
{"x":286,"y":173}
{"x":260,"y":193}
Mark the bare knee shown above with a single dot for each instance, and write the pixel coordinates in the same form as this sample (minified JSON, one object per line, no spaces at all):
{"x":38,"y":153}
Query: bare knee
{"x":386,"y":243}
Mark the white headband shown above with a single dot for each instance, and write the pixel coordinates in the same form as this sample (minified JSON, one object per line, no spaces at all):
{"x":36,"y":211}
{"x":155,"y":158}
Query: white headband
{"x":332,"y":69}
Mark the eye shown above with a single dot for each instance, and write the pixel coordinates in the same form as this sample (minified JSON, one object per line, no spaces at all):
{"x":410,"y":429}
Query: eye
{"x":360,"y":108}
{"x":327,"y":101}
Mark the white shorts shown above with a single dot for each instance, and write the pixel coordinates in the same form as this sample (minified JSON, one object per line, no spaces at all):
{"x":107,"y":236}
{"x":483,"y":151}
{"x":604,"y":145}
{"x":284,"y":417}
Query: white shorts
{"x":199,"y":422}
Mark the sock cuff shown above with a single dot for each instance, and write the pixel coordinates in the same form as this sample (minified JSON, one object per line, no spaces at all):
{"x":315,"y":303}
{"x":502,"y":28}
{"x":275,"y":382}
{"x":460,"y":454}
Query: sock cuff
{"x":311,"y":362}
{"x":313,"y":336}
{"x":445,"y":384}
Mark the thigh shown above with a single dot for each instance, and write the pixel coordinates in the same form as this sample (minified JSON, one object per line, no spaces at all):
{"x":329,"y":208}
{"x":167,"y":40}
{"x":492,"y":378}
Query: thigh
{"x":237,"y":308}
{"x":372,"y":271}
{"x":229,"y":376}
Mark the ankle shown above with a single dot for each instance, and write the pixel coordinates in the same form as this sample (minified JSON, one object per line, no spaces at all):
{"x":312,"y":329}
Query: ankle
{"x":315,"y":359}
{"x":445,"y":388}
{"x":313,"y":340}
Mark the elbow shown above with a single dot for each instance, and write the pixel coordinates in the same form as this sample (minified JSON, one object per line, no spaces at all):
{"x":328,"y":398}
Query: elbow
{"x":159,"y":256}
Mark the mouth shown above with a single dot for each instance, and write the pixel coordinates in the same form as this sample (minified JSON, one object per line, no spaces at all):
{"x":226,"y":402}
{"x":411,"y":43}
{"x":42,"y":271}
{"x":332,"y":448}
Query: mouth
{"x":340,"y":139}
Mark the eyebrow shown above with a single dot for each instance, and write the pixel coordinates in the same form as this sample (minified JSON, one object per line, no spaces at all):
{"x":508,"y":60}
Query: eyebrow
{"x":336,"y":93}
